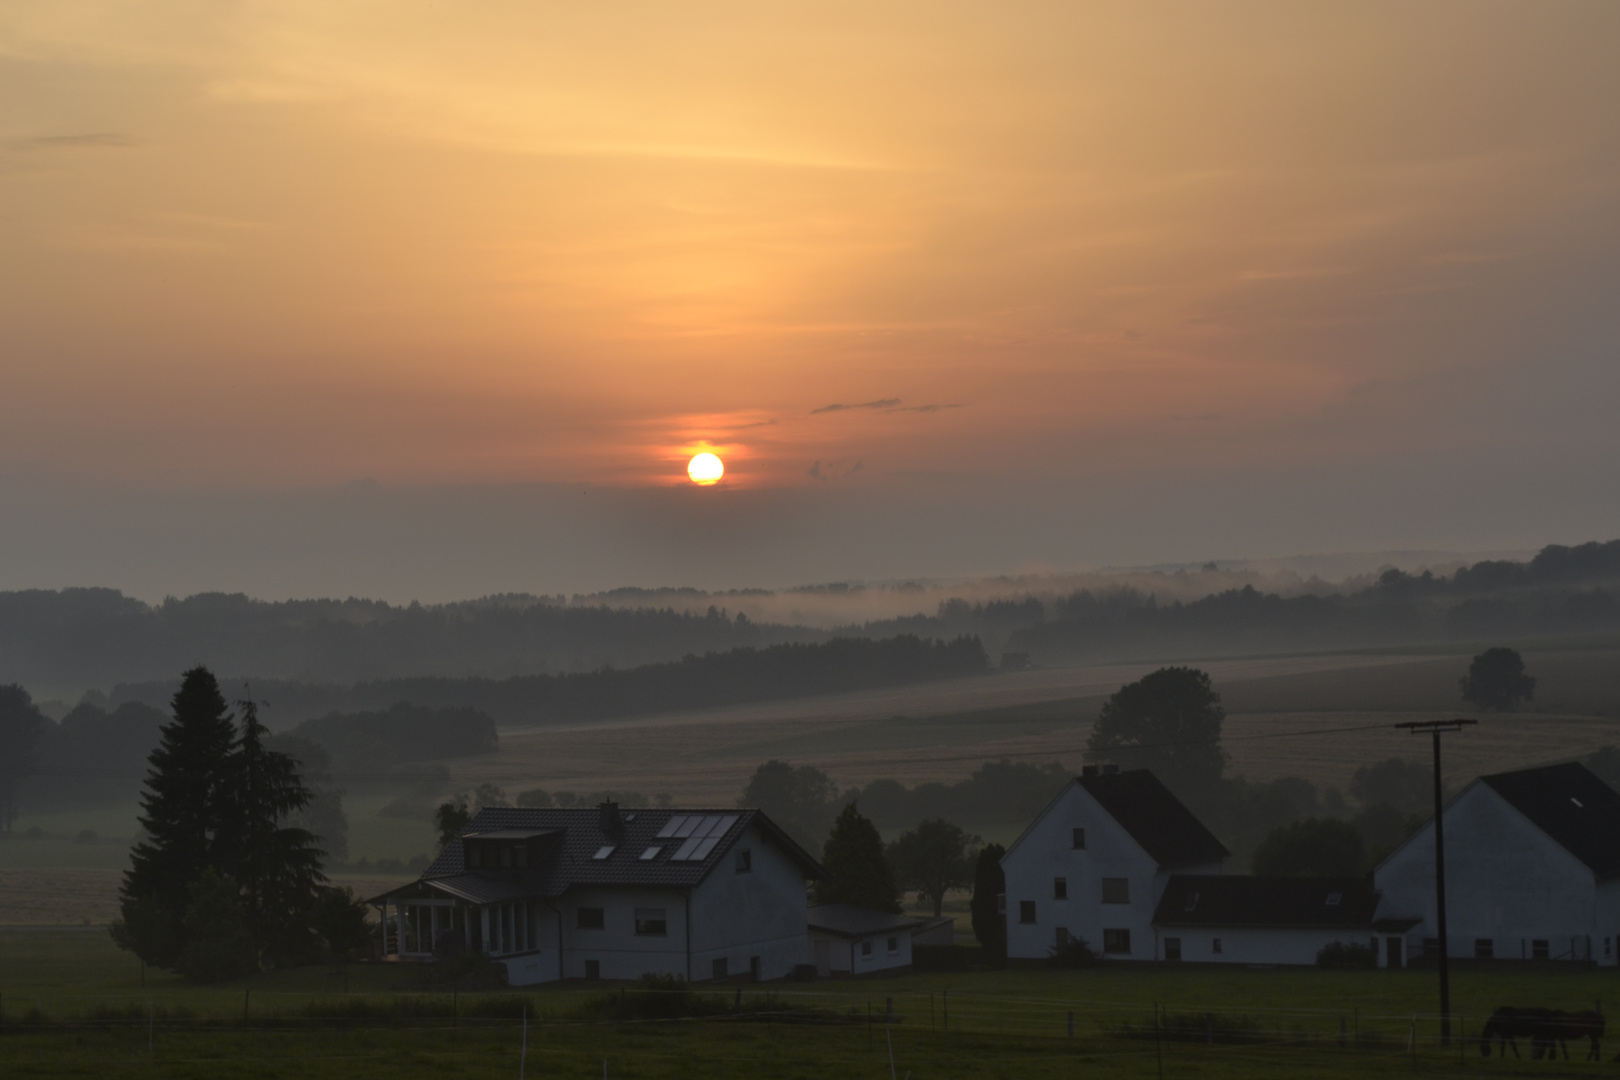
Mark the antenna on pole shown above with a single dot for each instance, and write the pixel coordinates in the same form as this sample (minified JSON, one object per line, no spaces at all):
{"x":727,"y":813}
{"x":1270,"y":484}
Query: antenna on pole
{"x":1436,"y":728}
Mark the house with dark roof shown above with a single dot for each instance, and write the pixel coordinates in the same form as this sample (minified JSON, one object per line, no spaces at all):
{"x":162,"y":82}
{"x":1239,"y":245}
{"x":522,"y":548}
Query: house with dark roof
{"x":1095,"y":863}
{"x":613,"y":894}
{"x":1261,"y":920}
{"x":1532,"y":873}
{"x":849,"y":940}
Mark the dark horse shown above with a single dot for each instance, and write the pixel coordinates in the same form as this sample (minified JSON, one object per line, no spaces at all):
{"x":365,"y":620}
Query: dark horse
{"x":1547,"y":1029}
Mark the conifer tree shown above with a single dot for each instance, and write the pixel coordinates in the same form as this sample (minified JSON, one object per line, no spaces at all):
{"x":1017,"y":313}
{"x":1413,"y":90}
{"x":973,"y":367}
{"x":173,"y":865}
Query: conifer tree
{"x":857,"y":872}
{"x":182,"y":810}
{"x":989,"y":886}
{"x":276,"y":865}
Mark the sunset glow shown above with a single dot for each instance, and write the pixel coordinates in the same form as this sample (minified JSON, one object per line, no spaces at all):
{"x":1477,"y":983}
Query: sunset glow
{"x":887,"y":254}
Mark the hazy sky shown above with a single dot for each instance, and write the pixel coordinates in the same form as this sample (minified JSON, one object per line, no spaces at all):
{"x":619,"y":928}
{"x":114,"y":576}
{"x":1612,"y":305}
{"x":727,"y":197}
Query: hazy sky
{"x":378,"y":297}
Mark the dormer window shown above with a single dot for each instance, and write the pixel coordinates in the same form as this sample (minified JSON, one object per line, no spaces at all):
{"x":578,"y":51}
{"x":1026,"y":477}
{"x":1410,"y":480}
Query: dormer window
{"x":1334,"y":898}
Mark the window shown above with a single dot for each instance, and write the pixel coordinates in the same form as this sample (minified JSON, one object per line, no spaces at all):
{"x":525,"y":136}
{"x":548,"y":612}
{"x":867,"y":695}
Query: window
{"x":1079,"y":839}
{"x":745,"y":861}
{"x":719,"y":968}
{"x":604,"y":851}
{"x":753,"y":968}
{"x":1116,"y":890}
{"x":652,"y":921}
{"x":520,"y":856}
{"x":590,"y":918}
{"x":1116,"y":941}
{"x":1539,"y":950}
{"x":651,"y":853}
{"x":1484,"y":948}
{"x":505,"y":855}
{"x":866,"y":950}
{"x":1060,"y":888}
{"x":1334,"y":899}
{"x":894,"y":946}
{"x":1026,"y":911}
{"x":593,"y":969}
{"x":1172,"y":948}
{"x":475,"y":856}
{"x":1215,"y":946}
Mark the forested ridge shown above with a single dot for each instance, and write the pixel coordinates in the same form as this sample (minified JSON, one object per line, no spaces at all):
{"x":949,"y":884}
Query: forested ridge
{"x":100,"y":637}
{"x":734,"y":677}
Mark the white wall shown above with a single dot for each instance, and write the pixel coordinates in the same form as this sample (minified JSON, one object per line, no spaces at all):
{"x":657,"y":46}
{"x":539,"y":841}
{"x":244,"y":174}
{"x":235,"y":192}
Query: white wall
{"x":1257,"y":945}
{"x":617,"y":948}
{"x":1046,"y":851}
{"x":762,"y":913}
{"x":540,"y":965}
{"x":844,"y":954}
{"x":1505,"y":880}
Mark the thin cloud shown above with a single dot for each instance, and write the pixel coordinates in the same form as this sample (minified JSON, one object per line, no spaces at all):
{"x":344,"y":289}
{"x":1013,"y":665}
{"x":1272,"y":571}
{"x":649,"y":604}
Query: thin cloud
{"x":90,"y":141}
{"x":924,"y":408}
{"x":881,"y":403}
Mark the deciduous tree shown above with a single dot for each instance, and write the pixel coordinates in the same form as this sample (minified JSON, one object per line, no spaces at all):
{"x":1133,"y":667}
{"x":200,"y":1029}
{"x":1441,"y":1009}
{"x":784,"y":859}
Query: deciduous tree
{"x":22,"y":726}
{"x":1315,"y":847}
{"x":800,"y":799}
{"x":1496,"y":680}
{"x":933,"y":859}
{"x":1169,"y":722}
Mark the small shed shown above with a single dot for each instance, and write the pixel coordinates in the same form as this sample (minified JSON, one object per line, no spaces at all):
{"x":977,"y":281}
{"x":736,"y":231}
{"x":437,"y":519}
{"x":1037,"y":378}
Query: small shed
{"x":847,"y":940}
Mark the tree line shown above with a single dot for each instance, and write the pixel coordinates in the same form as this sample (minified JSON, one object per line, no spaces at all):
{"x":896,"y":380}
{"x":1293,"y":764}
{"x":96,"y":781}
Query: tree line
{"x":100,"y":637}
{"x":737,"y":676}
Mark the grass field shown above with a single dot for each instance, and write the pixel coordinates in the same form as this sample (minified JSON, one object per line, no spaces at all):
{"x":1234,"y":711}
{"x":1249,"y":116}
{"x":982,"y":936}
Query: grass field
{"x":74,"y":1005}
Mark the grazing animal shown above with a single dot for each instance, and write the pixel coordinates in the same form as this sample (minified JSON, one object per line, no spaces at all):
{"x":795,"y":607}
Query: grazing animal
{"x":1585,"y":1024}
{"x":1509,"y":1023}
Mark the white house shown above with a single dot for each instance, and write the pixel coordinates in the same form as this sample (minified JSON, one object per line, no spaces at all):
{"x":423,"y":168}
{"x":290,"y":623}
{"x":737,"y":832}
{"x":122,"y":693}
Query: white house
{"x":849,"y":940}
{"x":1532,"y":873}
{"x":1261,"y":920}
{"x":605,"y":893}
{"x":1095,"y":862}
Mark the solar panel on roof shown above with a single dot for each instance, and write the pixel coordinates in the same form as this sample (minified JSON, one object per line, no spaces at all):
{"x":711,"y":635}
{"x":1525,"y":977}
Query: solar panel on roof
{"x":725,"y":825}
{"x":704,"y":848}
{"x":688,"y":826}
{"x":671,"y":825}
{"x":684,"y":852}
{"x":706,"y":827}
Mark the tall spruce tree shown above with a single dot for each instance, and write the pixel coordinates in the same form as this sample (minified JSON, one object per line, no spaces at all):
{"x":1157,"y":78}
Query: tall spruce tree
{"x":276,"y":865}
{"x":989,"y":886}
{"x":857,"y":871}
{"x":183,"y":808}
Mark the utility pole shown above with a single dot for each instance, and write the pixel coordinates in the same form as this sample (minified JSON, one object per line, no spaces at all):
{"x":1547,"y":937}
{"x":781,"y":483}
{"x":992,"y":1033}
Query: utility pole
{"x":1436,"y":728}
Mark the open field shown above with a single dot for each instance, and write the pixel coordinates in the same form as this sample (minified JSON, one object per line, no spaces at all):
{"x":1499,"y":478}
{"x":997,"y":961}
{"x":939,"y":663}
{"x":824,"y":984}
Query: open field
{"x":91,"y":1016}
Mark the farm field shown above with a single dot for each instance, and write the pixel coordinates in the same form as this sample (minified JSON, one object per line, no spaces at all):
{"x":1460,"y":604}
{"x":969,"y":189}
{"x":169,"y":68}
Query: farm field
{"x":74,"y":1004}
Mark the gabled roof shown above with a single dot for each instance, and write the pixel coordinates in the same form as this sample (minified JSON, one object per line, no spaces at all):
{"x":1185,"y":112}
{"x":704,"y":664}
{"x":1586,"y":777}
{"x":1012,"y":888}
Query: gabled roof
{"x":1154,"y":818}
{"x":1221,"y":900}
{"x":1567,"y":802}
{"x":636,"y":856}
{"x":852,"y":921}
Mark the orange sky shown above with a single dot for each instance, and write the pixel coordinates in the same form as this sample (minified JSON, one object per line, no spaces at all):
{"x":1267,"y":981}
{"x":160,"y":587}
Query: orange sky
{"x":288,"y":245}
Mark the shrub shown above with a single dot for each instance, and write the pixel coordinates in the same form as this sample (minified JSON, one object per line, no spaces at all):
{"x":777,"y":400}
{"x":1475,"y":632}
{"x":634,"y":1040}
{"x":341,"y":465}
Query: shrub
{"x":1075,"y":954}
{"x":1338,"y":954}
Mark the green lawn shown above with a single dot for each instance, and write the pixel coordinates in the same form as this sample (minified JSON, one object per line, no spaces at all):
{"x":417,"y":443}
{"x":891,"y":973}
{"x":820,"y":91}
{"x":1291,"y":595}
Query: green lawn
{"x":1006,"y":1023}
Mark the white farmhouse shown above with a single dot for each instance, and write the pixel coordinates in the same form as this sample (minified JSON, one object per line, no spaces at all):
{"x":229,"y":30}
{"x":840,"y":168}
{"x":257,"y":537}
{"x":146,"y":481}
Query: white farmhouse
{"x":1532,"y":873}
{"x":611,"y":894}
{"x":1095,"y":862}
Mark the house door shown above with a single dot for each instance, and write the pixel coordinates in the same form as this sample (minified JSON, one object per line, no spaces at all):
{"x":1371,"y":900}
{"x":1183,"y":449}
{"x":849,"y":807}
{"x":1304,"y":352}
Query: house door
{"x":1392,"y":952}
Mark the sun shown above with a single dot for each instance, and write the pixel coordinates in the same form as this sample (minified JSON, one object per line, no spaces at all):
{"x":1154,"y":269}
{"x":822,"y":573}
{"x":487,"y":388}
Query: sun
{"x":705,"y":469}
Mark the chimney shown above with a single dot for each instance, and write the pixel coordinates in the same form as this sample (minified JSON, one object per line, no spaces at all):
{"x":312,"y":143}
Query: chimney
{"x":607,"y":816}
{"x":1088,"y":770}
{"x":1110,"y":769}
